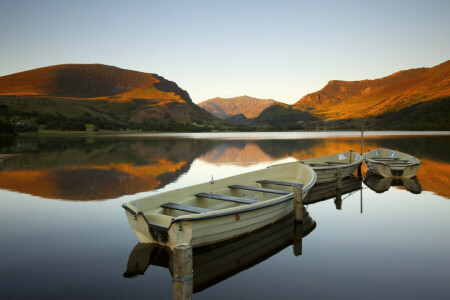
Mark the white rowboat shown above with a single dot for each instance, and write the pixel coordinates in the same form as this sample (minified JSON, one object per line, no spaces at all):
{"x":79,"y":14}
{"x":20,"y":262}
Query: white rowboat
{"x":327,"y":166}
{"x":216,"y":211}
{"x":391,"y":163}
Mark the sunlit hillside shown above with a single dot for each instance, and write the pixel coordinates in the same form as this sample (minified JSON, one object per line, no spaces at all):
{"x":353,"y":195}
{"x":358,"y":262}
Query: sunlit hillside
{"x":369,"y":98}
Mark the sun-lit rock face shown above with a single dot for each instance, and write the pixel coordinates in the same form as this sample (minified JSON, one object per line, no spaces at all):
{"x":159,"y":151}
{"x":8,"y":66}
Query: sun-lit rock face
{"x":226,"y":107}
{"x":356,"y":99}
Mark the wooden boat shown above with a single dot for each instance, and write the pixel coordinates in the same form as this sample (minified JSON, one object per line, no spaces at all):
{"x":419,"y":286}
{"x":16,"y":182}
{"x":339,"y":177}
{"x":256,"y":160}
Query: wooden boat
{"x":328,"y":190}
{"x":218,"y":210}
{"x":381,"y":184}
{"x":327,"y":166}
{"x":391,"y":163}
{"x":215,"y":263}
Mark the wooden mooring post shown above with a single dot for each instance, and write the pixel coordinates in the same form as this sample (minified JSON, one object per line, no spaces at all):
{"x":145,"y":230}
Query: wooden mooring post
{"x":298,"y":203}
{"x":183,"y":282}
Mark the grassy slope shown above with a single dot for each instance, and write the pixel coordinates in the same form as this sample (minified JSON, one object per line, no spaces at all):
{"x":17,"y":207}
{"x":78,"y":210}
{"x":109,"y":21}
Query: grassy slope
{"x":371,"y":98}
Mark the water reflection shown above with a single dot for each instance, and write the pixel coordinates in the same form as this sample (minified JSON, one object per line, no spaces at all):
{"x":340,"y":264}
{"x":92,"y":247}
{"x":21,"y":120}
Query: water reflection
{"x":325,"y":191}
{"x":96,"y":168}
{"x":215,"y":263}
{"x":381,"y":184}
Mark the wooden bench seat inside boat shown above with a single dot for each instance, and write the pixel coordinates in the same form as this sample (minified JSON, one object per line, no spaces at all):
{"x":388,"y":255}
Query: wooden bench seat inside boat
{"x":226,"y":198}
{"x":336,"y":163}
{"x":257,"y":189}
{"x":279,"y":183}
{"x":187,"y":208}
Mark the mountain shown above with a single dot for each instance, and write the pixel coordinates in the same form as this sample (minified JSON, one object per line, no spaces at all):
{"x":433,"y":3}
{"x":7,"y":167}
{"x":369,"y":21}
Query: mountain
{"x":99,"y":94}
{"x":371,"y":98}
{"x":224,"y":108}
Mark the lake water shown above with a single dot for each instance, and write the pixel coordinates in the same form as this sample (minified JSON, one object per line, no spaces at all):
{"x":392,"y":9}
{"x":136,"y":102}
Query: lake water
{"x":64,"y":233}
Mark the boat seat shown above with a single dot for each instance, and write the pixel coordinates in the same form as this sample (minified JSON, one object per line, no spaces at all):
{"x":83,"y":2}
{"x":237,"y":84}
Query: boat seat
{"x":226,"y":198}
{"x":336,"y":163}
{"x":188,"y":208}
{"x":257,"y":189}
{"x":279,"y":183}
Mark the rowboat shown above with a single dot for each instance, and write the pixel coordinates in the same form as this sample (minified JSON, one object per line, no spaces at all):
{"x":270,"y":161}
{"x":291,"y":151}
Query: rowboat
{"x":381,"y":184}
{"x":215,"y":211}
{"x":327,"y":166}
{"x":328,"y":190}
{"x":391,"y":163}
{"x":218,"y":262}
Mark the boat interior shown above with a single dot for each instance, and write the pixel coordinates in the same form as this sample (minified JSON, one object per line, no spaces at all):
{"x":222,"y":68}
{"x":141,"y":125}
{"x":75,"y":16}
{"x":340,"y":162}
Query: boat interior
{"x":228,"y":193}
{"x":334,"y":160}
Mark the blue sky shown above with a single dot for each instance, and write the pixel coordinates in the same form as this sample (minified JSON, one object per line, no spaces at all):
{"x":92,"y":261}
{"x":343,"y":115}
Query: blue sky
{"x":267,"y":49}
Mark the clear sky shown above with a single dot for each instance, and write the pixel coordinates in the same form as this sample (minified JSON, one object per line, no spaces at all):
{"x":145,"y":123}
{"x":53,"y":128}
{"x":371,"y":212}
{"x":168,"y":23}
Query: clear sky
{"x":267,"y":49}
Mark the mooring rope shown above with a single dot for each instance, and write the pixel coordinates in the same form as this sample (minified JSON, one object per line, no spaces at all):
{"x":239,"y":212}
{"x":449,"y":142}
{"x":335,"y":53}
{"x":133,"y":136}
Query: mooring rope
{"x":183,"y":278}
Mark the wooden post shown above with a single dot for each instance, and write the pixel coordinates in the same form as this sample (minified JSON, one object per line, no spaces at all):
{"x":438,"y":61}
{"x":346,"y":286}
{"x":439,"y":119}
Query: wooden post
{"x":298,"y":203}
{"x":362,"y":137}
{"x":298,"y":237}
{"x":183,"y":282}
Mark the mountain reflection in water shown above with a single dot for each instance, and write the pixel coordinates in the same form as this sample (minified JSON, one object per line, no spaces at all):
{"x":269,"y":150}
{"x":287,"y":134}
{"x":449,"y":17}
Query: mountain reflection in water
{"x":98,"y":168}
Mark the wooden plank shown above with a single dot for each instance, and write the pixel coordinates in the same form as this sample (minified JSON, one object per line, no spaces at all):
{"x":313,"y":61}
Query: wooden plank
{"x":279,"y":183}
{"x":188,"y":208}
{"x":226,"y":198}
{"x":257,"y":189}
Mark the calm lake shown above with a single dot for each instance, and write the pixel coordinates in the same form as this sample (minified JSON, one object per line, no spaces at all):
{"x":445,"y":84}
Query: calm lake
{"x":64,"y":234}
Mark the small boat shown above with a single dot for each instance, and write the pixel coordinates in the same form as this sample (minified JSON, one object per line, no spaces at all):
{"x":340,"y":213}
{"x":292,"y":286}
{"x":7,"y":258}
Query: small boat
{"x":327,"y":166}
{"x":391,"y":163}
{"x":215,"y":263}
{"x":381,"y":184}
{"x":215,"y":211}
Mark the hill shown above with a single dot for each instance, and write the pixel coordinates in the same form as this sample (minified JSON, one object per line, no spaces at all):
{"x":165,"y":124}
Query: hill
{"x":372,"y":98}
{"x":68,"y":96}
{"x":224,"y":108}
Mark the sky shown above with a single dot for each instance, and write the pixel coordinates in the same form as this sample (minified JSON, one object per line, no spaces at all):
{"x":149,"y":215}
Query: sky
{"x":280,"y":50}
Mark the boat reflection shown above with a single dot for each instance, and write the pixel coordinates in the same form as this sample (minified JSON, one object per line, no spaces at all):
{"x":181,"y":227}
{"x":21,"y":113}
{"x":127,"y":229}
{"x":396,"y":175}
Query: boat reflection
{"x":325,"y":191}
{"x":381,"y":184}
{"x":215,"y":263}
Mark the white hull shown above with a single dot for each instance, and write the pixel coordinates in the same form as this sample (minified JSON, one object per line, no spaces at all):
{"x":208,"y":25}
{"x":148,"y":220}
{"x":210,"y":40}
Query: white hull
{"x":390,"y":163}
{"x":153,"y":224}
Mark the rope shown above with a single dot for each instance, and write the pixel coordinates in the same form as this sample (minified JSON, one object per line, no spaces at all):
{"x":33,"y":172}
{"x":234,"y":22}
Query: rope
{"x":183,"y":278}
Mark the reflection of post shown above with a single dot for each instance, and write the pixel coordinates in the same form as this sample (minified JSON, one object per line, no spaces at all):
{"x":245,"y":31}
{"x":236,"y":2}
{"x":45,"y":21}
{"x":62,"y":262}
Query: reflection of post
{"x":339,"y":179}
{"x":338,"y":201}
{"x":183,"y":282}
{"x":298,"y":203}
{"x":361,"y":198}
{"x":298,"y":236}
{"x":359,"y":171}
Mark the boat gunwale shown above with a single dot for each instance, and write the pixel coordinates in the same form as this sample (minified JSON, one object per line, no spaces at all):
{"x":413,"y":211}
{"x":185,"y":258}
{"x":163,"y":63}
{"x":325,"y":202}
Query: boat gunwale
{"x":231,"y":211}
{"x":373,"y":161}
{"x":335,"y":167}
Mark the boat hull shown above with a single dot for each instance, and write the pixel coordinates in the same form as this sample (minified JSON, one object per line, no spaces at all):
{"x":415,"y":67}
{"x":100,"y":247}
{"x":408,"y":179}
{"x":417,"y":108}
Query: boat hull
{"x":346,"y":163}
{"x":218,"y":220}
{"x":201,"y":232}
{"x":390,"y":163}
